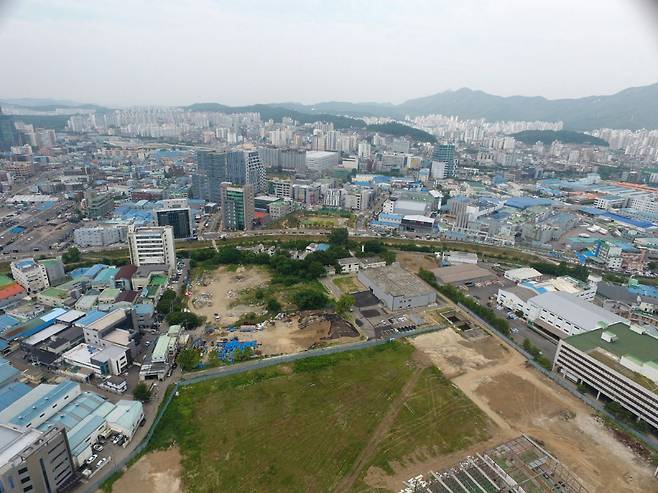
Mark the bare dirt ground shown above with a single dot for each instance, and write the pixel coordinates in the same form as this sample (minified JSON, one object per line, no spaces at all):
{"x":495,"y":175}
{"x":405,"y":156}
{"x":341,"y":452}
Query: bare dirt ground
{"x":287,"y":336}
{"x":413,"y":261}
{"x":156,"y":472}
{"x":520,"y":400}
{"x":223,"y":288}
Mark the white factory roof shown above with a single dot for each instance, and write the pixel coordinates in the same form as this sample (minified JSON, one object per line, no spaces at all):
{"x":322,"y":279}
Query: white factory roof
{"x":522,"y":273}
{"x":418,"y":218}
{"x":410,"y":205}
{"x":579,"y":312}
{"x":45,"y":334}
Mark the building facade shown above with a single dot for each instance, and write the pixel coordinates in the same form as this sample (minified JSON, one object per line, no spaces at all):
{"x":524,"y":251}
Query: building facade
{"x":150,"y":245}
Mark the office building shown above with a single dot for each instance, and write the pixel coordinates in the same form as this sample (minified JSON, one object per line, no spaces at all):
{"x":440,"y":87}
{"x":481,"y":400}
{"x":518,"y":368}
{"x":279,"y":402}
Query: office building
{"x":8,"y":134}
{"x":445,"y":153}
{"x":97,"y":204}
{"x":618,"y":362}
{"x":236,"y":167}
{"x":34,"y":461}
{"x":397,"y":288}
{"x":152,"y":245}
{"x":180,"y":219}
{"x":30,"y":274}
{"x":237,"y":207}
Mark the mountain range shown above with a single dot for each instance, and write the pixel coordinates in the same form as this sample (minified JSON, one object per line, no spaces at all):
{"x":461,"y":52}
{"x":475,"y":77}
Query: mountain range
{"x":633,"y":108}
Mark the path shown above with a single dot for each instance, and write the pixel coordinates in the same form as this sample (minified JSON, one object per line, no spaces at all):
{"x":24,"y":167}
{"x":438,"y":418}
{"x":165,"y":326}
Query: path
{"x":347,"y":483}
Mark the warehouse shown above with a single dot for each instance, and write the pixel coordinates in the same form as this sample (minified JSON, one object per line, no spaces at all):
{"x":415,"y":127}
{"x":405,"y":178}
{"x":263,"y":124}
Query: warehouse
{"x":462,"y":273}
{"x":619,"y":362}
{"x":397,"y":288}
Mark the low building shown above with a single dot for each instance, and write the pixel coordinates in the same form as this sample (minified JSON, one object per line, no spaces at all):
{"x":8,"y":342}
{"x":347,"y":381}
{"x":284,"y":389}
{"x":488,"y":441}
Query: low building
{"x":619,"y":362}
{"x":348,"y":265}
{"x":397,"y":288}
{"x":454,"y":258}
{"x":158,"y":363}
{"x":560,"y":315}
{"x":30,"y":274}
{"x":522,"y":274}
{"x":462,"y":274}
{"x":111,"y":360}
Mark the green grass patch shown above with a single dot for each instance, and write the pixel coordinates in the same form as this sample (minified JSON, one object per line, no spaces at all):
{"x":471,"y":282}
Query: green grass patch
{"x":301,"y":426}
{"x":281,"y":430}
{"x":347,"y":284}
{"x":437,"y":419}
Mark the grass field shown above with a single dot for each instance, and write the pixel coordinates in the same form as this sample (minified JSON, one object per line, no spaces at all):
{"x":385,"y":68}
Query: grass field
{"x":347,"y":284}
{"x":306,"y":426}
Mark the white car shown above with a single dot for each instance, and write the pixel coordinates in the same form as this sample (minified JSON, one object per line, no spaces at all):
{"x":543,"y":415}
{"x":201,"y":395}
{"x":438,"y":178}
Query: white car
{"x":97,"y":447}
{"x":102,"y":462}
{"x":116,"y":439}
{"x":91,"y":459}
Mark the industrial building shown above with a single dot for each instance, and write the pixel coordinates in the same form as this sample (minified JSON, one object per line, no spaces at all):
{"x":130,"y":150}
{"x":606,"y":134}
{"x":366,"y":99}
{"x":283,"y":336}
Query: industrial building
{"x":397,"y":288}
{"x":34,"y":460}
{"x":522,"y":274}
{"x":30,"y":274}
{"x":461,"y":274}
{"x":619,"y":362}
{"x":560,"y":314}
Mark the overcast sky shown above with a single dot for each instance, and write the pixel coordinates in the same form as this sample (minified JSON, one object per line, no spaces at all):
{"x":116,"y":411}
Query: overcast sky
{"x":170,"y":52}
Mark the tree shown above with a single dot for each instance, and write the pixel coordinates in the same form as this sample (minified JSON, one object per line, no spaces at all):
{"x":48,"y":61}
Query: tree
{"x":338,"y":237}
{"x":142,"y":393}
{"x":72,"y":255}
{"x":344,"y":303}
{"x":273,"y":305}
{"x":310,"y":299}
{"x":168,"y":302}
{"x":188,"y":359}
{"x":187,"y":319}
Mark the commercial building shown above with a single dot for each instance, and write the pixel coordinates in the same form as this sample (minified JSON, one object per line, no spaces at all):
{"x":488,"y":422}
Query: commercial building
{"x":97,"y":204}
{"x":180,"y":219}
{"x":149,"y":245}
{"x":397,"y":288}
{"x":237,"y":207}
{"x":321,"y":160}
{"x":561,"y":314}
{"x":34,"y":460}
{"x":619,"y":362}
{"x":30,"y":274}
{"x":237,"y":167}
{"x":98,"y":236}
{"x":445,"y":153}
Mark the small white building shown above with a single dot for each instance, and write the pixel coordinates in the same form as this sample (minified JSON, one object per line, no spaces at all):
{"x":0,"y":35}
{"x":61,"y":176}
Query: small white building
{"x":30,"y":274}
{"x":348,"y":265}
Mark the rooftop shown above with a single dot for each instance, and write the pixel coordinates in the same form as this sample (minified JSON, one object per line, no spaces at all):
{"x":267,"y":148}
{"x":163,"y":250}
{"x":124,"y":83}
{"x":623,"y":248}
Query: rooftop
{"x":585,"y":315}
{"x":397,"y":281}
{"x":461,"y":273}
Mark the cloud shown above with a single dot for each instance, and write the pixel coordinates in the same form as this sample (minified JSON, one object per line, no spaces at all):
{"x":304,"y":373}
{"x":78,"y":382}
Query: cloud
{"x":176,"y":52}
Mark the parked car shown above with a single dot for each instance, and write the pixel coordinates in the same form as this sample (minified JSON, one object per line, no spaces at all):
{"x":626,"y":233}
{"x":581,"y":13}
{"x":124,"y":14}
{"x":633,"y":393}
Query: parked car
{"x":102,"y":462}
{"x":91,"y":459}
{"x":97,"y":447}
{"x":117,"y":439}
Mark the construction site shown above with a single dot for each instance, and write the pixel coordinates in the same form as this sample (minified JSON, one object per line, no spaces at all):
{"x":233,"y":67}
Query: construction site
{"x":517,"y":466}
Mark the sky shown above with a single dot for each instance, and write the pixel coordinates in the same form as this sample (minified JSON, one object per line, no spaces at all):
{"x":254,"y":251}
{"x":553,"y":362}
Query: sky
{"x":175,"y":52}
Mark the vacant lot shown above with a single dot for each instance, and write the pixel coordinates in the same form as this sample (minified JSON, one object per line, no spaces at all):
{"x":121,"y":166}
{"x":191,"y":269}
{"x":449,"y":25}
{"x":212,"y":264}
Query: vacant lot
{"x":158,"y":472}
{"x":221,"y":288}
{"x":348,"y":284}
{"x":414,"y":261}
{"x":520,"y":400}
{"x":318,"y":424}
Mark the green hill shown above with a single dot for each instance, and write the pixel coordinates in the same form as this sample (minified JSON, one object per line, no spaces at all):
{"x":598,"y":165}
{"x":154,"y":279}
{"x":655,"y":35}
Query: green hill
{"x":565,"y":136}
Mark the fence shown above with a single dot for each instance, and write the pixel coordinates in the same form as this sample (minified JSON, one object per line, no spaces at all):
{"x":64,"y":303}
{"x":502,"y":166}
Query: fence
{"x":226,"y":371}
{"x":647,"y":440}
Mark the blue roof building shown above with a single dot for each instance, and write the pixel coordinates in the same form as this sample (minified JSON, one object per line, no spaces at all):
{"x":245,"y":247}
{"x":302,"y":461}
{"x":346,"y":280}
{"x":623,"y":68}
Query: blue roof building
{"x":10,"y":393}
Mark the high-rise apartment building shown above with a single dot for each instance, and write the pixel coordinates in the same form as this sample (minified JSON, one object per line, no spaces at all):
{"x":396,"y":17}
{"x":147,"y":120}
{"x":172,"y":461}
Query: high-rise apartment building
{"x":149,"y":245}
{"x":34,"y":460}
{"x":237,"y":206}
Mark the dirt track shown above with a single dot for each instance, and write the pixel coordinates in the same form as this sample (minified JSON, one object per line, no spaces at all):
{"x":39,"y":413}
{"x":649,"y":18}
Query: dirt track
{"x":520,"y":400}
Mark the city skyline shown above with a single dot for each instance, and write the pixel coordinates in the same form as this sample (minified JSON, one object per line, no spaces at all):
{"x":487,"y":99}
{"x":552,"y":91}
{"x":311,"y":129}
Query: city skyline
{"x":309,"y":52}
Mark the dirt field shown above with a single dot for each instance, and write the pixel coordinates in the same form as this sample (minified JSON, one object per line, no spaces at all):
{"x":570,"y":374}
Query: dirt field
{"x":157,"y":472}
{"x":223,"y":288}
{"x":286,"y":336}
{"x":413,"y":261}
{"x":520,"y":400}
